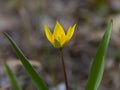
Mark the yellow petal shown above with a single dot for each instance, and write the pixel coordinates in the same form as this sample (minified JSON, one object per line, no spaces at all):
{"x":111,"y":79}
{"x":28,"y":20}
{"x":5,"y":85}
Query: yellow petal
{"x":58,"y":30}
{"x":64,"y":42}
{"x":70,"y":32}
{"x":48,"y":33}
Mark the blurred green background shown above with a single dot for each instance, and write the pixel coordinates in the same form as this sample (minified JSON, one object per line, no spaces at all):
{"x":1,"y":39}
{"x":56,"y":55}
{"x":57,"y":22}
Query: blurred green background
{"x":23,"y":20}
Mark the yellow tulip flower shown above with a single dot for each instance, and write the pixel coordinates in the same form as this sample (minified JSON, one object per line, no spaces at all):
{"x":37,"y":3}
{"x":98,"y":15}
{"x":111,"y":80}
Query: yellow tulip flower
{"x":59,"y":38}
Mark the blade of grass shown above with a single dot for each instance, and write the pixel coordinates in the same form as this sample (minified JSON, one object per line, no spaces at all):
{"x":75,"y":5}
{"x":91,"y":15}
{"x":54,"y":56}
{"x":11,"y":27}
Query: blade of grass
{"x":33,"y":74}
{"x":97,"y":69}
{"x":12,"y":77}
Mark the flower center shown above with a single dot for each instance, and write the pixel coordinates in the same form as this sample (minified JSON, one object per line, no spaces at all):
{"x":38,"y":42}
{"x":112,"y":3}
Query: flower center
{"x":59,"y":38}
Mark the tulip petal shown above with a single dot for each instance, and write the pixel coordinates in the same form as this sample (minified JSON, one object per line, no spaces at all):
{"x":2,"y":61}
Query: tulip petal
{"x":48,"y":33}
{"x":58,"y":30}
{"x":70,"y":32}
{"x":64,"y":42}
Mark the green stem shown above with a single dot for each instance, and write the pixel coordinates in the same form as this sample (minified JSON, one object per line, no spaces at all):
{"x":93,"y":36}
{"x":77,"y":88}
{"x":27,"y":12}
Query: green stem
{"x":64,"y":70}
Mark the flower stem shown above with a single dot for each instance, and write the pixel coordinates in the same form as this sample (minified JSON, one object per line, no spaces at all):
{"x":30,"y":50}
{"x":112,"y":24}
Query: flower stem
{"x":64,"y":70}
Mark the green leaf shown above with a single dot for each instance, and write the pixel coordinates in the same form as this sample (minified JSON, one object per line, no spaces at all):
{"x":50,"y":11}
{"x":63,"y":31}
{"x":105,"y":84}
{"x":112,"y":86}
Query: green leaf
{"x":12,"y":77}
{"x":97,"y":69}
{"x":33,"y":74}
